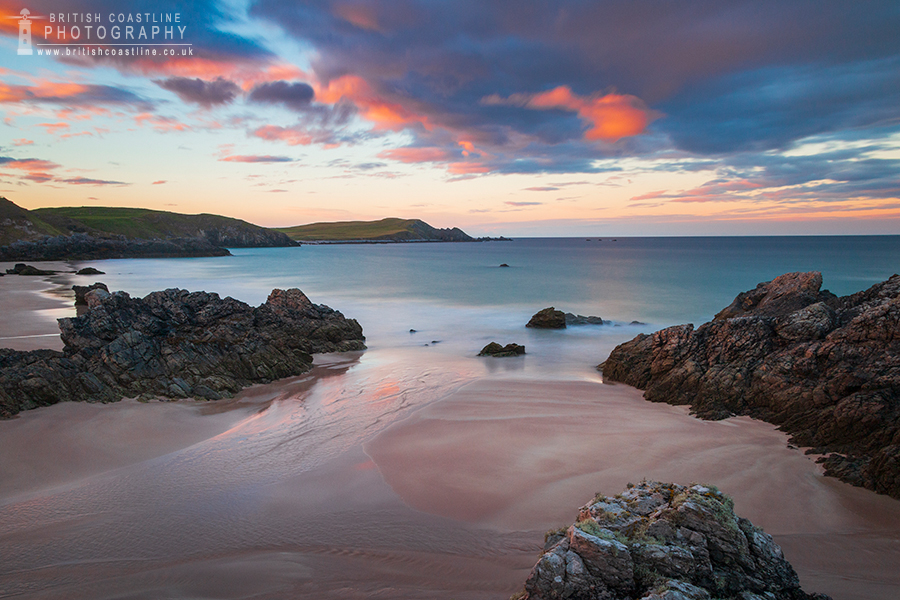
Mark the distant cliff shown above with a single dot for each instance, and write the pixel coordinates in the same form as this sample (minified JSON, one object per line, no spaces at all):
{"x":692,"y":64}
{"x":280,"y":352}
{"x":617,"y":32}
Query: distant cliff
{"x":385,"y":230}
{"x":103,"y":232}
{"x":825,"y":369}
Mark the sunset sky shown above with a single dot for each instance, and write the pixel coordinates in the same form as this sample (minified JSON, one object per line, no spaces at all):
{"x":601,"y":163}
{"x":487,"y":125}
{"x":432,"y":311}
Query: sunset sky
{"x":517,"y":118}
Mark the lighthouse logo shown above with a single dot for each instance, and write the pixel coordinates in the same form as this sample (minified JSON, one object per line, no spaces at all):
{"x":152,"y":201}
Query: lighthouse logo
{"x":25,"y":33}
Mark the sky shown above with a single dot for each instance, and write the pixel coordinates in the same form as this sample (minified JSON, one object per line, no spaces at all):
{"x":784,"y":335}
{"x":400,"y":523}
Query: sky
{"x":517,"y":118}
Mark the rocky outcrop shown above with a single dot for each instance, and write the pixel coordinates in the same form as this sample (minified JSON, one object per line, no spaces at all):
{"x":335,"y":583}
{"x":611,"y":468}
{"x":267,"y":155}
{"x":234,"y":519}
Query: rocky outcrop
{"x":573,"y":319}
{"x":495,"y":349}
{"x":661,"y":541}
{"x":82,"y":290}
{"x":81,"y":246}
{"x":825,"y":369}
{"x":173,"y":344}
{"x":23,"y":269}
{"x":90,"y":271}
{"x":548,"y":318}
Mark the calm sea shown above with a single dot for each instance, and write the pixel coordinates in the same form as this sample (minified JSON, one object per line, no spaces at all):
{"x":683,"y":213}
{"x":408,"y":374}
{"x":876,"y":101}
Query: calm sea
{"x":458,"y":298}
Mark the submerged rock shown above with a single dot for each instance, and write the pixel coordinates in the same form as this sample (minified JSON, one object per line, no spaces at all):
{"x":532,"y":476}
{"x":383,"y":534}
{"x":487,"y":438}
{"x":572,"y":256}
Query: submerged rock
{"x":495,"y":349}
{"x":573,"y":319}
{"x":548,"y":318}
{"x":662,"y":541}
{"x":174,"y":344}
{"x":825,"y":369}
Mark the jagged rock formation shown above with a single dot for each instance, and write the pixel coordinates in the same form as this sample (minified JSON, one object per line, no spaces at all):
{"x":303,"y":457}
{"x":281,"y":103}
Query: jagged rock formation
{"x":662,"y":541}
{"x":81,"y":246}
{"x":82,"y":290}
{"x":173,"y":344}
{"x":825,"y":369}
{"x":548,"y":318}
{"x":495,"y":349}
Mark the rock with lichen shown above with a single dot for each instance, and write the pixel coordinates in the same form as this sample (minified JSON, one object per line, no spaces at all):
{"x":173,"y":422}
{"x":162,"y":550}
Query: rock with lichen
{"x":662,"y":541}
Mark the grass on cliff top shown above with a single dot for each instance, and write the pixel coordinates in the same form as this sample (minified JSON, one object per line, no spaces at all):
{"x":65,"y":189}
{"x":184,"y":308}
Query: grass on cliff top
{"x":390,"y":228}
{"x":18,"y":215}
{"x":140,"y":223}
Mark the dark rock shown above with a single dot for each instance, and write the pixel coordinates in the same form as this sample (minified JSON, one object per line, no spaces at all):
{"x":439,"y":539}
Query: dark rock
{"x":23,"y":269}
{"x":90,"y":271}
{"x":412,"y":331}
{"x":82,"y":290}
{"x":504,"y":265}
{"x":81,"y":246}
{"x":663,"y":541}
{"x":548,"y":318}
{"x":173,"y":344}
{"x":824,"y":369}
{"x":495,"y":349}
{"x":573,"y":319}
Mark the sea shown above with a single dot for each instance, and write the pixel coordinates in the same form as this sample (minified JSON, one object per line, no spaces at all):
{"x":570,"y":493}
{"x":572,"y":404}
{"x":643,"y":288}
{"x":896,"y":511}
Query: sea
{"x":312,"y":487}
{"x":457,"y":298}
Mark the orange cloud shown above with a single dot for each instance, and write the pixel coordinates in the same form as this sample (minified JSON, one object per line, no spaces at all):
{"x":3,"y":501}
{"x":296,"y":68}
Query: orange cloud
{"x":53,"y":128}
{"x":384,"y":114}
{"x":290,"y":135}
{"x":159,"y":123}
{"x":416,"y":155}
{"x":468,"y":168}
{"x":23,"y":142}
{"x":360,"y":15}
{"x":612,"y":116}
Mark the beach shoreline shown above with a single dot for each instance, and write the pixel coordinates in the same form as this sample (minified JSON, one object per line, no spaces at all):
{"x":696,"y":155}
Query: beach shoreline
{"x":464,"y":482}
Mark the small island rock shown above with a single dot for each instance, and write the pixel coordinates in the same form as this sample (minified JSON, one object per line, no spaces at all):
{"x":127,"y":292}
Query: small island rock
{"x":495,"y":349}
{"x":548,"y":318}
{"x":23,"y":269}
{"x":573,"y":319}
{"x":90,"y":271}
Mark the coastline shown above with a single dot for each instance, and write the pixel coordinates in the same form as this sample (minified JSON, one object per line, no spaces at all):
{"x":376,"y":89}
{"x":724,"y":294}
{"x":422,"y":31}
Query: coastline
{"x":447,"y":497}
{"x":30,"y":306}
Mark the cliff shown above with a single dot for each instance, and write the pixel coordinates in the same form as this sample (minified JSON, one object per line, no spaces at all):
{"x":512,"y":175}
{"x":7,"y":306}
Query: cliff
{"x":662,"y":541}
{"x":385,"y":230}
{"x":89,"y":233}
{"x":173,"y":344}
{"x":825,"y":369}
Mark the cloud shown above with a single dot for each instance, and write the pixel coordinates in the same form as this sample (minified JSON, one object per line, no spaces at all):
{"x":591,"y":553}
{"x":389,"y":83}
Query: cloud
{"x":512,"y":203}
{"x":82,"y":96}
{"x":205,"y":93}
{"x":558,"y":86}
{"x":295,"y":96}
{"x":89,"y":181}
{"x":23,"y":142}
{"x":254,"y":158}
{"x":159,"y":182}
{"x":547,"y":188}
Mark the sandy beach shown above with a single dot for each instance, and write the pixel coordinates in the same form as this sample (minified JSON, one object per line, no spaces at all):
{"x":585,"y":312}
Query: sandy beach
{"x":377,"y":476}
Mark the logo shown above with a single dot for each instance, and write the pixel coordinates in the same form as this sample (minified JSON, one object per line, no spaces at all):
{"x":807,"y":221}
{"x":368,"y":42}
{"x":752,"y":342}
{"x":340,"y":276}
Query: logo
{"x":97,"y":34}
{"x":25,"y":48}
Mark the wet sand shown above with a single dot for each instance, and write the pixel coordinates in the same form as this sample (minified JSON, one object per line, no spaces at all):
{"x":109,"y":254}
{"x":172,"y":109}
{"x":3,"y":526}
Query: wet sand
{"x":30,"y":305}
{"x":525,"y":455}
